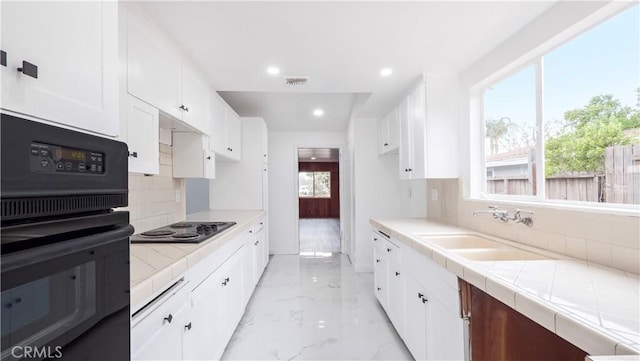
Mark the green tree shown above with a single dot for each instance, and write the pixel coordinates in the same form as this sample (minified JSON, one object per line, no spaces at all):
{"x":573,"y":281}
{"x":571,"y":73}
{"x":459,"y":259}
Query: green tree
{"x":581,"y":145}
{"x":496,"y":129}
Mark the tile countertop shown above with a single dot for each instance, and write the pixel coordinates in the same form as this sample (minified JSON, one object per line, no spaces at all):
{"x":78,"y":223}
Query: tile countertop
{"x":154,"y":265}
{"x":594,"y":307}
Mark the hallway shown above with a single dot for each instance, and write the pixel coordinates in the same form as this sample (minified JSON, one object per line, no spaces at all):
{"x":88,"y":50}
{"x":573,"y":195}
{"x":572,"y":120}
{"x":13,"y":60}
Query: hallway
{"x":315,"y":308}
{"x":319,"y":235}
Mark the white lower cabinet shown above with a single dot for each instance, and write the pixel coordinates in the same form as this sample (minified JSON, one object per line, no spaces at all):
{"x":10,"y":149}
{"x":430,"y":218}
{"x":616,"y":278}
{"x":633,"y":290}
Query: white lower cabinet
{"x":196,"y":317}
{"x":157,"y":329}
{"x":421,"y":299}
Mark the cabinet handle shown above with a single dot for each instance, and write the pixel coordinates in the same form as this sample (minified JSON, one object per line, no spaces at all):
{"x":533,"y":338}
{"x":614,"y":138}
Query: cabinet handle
{"x":184,"y":108}
{"x":169,"y":318}
{"x":209,"y":157}
{"x":261,"y":223}
{"x":397,"y":274}
{"x":29,"y":69}
{"x":388,"y":249}
{"x":379,"y":288}
{"x":256,"y":243}
{"x":410,"y":170}
{"x":224,"y":283}
{"x":420,"y":295}
{"x":133,"y":154}
{"x":3,"y":58}
{"x":375,"y":239}
{"x":385,"y":145}
{"x":377,"y":260}
{"x":250,"y":231}
{"x":188,"y":326}
{"x":425,"y":300}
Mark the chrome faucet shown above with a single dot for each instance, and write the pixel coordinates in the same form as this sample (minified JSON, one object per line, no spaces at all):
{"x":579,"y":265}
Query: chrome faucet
{"x":503,"y":215}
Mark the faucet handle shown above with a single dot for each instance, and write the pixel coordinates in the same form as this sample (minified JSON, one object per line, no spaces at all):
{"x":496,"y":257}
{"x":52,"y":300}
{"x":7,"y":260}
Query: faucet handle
{"x":493,"y":207}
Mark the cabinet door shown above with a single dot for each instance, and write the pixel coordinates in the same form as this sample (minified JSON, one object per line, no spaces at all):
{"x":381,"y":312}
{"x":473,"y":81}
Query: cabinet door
{"x":194,"y":101}
{"x":231,"y":307}
{"x":75,"y":48}
{"x":209,"y":166}
{"x":234,"y":136}
{"x":217,"y":124}
{"x":202,"y":331}
{"x":159,"y":335}
{"x":445,"y":332}
{"x":152,"y":75}
{"x":249,"y":266}
{"x":380,"y":277}
{"x":396,"y":296}
{"x":383,"y":135}
{"x":418,"y":130}
{"x":393,"y":127}
{"x":265,"y":187}
{"x":142,"y":137}
{"x":416,"y":326}
{"x":405,"y":157}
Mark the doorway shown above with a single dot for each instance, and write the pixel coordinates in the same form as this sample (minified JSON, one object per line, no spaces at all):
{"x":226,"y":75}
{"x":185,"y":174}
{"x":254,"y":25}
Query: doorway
{"x":319,"y":200}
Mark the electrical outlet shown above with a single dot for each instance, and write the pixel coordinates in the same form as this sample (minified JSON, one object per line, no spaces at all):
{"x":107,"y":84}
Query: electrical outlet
{"x":434,"y":195}
{"x":178,"y":195}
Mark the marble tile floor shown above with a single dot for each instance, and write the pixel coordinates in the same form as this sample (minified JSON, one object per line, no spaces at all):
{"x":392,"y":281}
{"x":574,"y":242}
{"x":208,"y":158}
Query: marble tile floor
{"x":315,"y":308}
{"x":319,"y":234}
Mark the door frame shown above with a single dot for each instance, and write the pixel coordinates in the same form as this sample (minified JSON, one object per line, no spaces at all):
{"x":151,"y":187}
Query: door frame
{"x":341,"y":186}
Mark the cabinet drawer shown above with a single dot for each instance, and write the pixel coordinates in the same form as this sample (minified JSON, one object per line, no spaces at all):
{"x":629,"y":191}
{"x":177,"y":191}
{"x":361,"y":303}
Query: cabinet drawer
{"x":259,"y":225}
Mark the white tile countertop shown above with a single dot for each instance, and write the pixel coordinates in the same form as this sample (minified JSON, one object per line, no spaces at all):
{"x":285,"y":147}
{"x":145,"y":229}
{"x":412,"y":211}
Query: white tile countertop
{"x":154,"y":265}
{"x":593,"y":307}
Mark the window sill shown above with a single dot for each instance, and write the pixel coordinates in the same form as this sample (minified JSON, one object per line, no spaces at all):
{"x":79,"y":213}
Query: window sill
{"x":629,"y":210}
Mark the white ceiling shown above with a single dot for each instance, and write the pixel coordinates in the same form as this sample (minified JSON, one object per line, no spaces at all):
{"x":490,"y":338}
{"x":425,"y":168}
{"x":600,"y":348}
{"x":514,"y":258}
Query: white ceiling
{"x":340,"y":45}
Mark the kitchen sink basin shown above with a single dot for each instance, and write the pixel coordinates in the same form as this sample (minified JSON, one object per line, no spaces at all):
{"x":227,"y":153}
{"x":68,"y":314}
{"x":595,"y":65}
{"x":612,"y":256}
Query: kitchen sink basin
{"x":497,"y":254}
{"x":461,"y":241}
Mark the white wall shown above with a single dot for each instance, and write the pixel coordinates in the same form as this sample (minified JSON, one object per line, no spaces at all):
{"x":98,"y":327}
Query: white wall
{"x":283,"y":196}
{"x":378,"y":191}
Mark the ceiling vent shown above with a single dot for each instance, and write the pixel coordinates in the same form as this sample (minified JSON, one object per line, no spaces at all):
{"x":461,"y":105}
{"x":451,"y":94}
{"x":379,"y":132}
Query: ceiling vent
{"x":296,"y":80}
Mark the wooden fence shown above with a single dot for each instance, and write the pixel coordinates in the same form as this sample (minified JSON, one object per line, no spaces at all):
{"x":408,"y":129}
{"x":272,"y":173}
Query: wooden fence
{"x":620,"y":182}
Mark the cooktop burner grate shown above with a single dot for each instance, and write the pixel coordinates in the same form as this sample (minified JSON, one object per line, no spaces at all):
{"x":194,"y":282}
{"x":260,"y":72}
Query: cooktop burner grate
{"x":159,"y":233}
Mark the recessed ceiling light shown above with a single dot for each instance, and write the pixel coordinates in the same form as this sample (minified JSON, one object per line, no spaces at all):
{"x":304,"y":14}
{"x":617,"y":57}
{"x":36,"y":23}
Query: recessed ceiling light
{"x":273,"y":70}
{"x":313,"y":158}
{"x":318,"y":112}
{"x":386,"y":71}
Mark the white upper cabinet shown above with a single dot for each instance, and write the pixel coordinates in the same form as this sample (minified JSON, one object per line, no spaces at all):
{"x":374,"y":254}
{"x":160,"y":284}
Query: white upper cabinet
{"x":158,"y":75}
{"x":429,"y":131}
{"x":152,"y":75}
{"x":192,"y":157}
{"x":194,"y":107}
{"x":225,"y":129}
{"x":62,"y":62}
{"x":389,"y":132}
{"x":142,"y":136}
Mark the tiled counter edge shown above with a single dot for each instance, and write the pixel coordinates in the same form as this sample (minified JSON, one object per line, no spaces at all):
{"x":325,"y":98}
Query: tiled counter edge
{"x":588,"y":336}
{"x":154,"y":267}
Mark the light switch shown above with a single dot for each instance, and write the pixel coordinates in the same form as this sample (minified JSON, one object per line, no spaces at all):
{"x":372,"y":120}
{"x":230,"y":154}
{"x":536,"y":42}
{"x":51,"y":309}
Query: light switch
{"x":178,"y":196}
{"x":434,"y":195}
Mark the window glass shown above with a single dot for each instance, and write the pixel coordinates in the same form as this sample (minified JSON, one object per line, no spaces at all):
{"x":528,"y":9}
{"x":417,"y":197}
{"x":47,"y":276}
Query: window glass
{"x":314,"y":184}
{"x":510,"y":119}
{"x":591,"y":114}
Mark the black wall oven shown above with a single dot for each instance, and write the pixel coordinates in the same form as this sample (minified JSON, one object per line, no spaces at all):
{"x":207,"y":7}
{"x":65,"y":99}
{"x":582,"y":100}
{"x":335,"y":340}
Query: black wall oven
{"x":64,"y":250}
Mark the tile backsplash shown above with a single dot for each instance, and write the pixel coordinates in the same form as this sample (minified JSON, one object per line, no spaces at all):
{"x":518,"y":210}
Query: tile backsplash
{"x":158,"y":200}
{"x":607,"y":239}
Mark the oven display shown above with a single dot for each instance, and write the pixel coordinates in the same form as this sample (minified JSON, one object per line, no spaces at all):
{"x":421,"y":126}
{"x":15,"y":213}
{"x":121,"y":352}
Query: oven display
{"x":50,"y":158}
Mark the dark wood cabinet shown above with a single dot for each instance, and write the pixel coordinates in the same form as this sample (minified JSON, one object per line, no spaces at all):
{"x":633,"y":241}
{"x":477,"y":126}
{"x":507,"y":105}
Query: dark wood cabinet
{"x":499,"y":332}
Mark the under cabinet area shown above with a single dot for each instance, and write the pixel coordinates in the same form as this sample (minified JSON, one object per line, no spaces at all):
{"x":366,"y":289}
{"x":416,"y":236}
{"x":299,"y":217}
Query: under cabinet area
{"x":421,"y":299}
{"x":71,"y":85}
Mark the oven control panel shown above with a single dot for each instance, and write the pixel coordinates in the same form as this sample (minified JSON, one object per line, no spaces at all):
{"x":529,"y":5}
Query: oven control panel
{"x":50,"y":158}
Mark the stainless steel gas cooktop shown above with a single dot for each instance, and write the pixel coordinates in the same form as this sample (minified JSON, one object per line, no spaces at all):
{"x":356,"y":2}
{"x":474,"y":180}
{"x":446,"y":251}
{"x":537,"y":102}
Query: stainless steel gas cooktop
{"x":182,"y":232}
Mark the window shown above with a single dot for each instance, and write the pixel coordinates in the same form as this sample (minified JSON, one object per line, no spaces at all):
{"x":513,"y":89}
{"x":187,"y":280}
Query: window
{"x":567,"y":127}
{"x":314,"y":184}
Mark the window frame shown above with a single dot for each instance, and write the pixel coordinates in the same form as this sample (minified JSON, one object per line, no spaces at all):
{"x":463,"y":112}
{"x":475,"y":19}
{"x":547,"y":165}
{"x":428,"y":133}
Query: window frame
{"x":477,"y":116}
